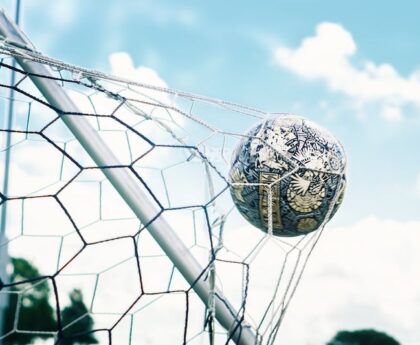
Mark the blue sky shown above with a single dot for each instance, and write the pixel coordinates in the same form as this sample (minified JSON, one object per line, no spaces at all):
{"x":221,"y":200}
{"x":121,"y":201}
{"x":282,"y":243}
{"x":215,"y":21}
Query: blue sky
{"x":248,"y":52}
{"x":226,"y":50}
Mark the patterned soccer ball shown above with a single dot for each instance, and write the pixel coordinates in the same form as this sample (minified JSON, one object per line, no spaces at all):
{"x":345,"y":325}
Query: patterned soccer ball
{"x":301,"y":163}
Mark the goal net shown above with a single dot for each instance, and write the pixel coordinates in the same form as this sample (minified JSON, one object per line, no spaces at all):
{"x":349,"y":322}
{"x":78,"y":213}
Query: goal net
{"x":70,"y":217}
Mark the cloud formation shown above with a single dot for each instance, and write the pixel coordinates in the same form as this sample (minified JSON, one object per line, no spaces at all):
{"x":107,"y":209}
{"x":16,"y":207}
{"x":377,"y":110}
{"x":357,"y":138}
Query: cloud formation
{"x":327,"y":56}
{"x":360,"y":276}
{"x":123,"y":66}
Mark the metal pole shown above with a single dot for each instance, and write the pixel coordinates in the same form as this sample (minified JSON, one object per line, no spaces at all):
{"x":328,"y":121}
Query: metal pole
{"x":8,"y":134}
{"x":4,"y":256}
{"x":128,"y":187}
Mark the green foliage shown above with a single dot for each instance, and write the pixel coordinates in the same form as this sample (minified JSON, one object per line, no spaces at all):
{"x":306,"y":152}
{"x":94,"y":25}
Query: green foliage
{"x":77,"y":330}
{"x":35,"y":312}
{"x":362,"y":337}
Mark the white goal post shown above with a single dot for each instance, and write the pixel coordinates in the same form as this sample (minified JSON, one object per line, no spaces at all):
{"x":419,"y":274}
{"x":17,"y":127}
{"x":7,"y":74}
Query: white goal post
{"x":129,"y":189}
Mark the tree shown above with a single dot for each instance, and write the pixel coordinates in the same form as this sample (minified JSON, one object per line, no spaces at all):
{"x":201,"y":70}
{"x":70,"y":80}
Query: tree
{"x":362,"y":337}
{"x":35,"y":312}
{"x":78,"y":332}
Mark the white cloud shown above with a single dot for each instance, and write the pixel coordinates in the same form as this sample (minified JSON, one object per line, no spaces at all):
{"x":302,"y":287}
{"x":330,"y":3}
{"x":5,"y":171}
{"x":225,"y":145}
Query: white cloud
{"x":360,"y":276}
{"x":327,"y":56}
{"x":144,"y":102}
{"x":123,"y":66}
{"x":392,"y":113}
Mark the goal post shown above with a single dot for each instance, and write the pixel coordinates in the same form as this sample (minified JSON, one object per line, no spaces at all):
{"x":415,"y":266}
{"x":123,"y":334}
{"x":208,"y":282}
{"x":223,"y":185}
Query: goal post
{"x":128,"y":188}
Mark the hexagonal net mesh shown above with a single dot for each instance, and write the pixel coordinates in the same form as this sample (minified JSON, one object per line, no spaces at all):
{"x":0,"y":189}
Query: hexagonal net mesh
{"x":82,"y":267}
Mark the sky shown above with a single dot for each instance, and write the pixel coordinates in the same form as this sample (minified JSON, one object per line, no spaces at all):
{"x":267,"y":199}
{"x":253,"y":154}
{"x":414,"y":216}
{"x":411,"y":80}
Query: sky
{"x":351,"y":67}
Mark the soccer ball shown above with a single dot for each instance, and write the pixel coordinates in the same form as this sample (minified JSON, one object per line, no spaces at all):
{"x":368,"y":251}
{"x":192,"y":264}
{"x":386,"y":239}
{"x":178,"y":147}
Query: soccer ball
{"x":287,"y":172}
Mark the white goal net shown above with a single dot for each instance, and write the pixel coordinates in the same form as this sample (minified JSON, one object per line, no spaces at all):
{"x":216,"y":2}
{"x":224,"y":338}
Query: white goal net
{"x":73,"y":241}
